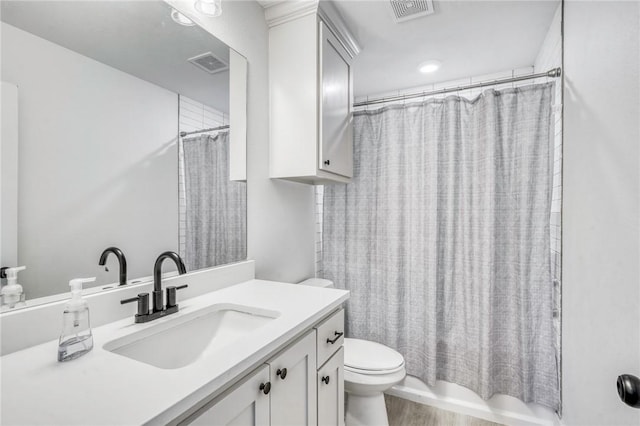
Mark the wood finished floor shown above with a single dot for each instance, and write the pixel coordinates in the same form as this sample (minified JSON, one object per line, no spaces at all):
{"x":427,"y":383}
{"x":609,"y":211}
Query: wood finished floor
{"x":402,"y":412}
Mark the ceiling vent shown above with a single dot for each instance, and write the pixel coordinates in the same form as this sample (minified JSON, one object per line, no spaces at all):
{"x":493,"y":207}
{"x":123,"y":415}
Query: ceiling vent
{"x":405,"y":10}
{"x":209,"y":63}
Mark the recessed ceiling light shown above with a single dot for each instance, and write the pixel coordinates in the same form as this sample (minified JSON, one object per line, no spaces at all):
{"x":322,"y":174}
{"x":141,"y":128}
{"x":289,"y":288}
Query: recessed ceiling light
{"x":211,"y":8}
{"x":429,"y":66}
{"x":179,"y":18}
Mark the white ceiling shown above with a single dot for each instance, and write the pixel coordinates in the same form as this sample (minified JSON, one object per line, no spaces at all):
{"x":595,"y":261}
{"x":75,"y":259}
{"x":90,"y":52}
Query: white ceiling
{"x":470,"y":38}
{"x":137,"y":37}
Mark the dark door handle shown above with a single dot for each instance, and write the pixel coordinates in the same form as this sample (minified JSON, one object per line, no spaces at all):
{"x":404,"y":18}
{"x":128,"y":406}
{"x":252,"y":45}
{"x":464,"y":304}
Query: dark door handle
{"x":265,"y":387}
{"x":282,"y":373}
{"x":325,"y":379}
{"x":629,"y":390}
{"x":327,"y":162}
{"x":338,"y":334}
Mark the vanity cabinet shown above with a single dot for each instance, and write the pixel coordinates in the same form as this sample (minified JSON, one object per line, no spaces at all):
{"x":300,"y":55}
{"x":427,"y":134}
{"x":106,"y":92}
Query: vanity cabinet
{"x":311,"y":94}
{"x":293,"y":384}
{"x":244,"y":404}
{"x":301,"y":385}
{"x":330,"y":376}
{"x":331,"y":391}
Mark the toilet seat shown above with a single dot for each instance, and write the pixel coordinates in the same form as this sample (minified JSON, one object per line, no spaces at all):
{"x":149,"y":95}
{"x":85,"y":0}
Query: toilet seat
{"x":373,"y":372}
{"x":371,"y":358}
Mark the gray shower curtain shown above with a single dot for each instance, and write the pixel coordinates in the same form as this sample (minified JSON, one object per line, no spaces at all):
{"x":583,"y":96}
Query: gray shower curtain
{"x":216,"y":222}
{"x":443,"y":240}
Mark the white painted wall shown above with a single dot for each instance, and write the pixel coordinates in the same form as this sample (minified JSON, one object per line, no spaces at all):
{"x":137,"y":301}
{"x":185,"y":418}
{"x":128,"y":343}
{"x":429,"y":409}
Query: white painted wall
{"x":122,"y":193}
{"x":280,"y":214}
{"x":601,"y":238}
{"x":9,"y":176}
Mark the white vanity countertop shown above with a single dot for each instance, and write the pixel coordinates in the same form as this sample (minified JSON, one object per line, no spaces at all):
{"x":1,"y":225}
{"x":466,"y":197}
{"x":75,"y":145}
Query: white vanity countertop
{"x":102,"y":387}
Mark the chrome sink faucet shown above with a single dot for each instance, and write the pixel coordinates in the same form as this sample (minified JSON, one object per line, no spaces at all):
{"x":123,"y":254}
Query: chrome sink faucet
{"x":159,"y":308}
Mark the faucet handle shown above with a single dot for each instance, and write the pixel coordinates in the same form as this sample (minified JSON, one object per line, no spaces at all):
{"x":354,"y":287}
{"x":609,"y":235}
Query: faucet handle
{"x":171,"y":295}
{"x":143,"y":303}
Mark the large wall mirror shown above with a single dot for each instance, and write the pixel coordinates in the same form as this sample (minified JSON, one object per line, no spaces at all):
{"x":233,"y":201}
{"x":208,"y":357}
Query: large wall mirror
{"x":105,"y":107}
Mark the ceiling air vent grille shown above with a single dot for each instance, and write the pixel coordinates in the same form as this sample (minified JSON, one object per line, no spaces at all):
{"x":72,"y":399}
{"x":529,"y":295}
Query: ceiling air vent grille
{"x":209,"y":63}
{"x":404,"y":10}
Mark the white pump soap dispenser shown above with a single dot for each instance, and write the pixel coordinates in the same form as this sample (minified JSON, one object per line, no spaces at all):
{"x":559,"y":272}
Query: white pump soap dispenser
{"x":76,"y":338}
{"x":12,"y":294}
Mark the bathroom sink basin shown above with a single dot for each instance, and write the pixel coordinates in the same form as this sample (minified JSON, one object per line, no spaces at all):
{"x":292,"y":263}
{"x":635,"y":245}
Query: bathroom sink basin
{"x":179,"y":341}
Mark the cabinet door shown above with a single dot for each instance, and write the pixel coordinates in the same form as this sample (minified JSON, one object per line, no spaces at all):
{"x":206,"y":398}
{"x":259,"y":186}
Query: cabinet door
{"x":293,"y":384}
{"x":243,"y":405}
{"x":331,"y":391}
{"x":336,"y":140}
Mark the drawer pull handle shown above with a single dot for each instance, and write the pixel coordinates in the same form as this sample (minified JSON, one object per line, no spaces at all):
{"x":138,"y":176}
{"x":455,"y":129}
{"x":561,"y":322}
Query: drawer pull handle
{"x":265,"y":387}
{"x":338,"y":335}
{"x":327,"y":162}
{"x":325,"y":379}
{"x":282,"y":373}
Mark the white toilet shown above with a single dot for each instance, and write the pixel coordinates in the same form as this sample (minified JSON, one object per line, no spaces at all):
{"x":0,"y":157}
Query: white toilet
{"x":370,"y":368}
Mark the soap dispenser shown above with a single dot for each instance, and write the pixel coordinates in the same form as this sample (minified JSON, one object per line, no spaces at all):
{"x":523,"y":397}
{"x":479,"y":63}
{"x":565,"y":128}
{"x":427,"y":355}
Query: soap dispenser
{"x":12,"y":294}
{"x":76,"y":338}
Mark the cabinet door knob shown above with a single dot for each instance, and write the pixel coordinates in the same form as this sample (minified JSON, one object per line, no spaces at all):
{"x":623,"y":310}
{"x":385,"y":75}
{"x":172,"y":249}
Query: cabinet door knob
{"x":282,"y":373}
{"x":265,"y":387}
{"x":327,"y":162}
{"x":629,"y":390}
{"x":338,"y":334}
{"x":325,"y":379}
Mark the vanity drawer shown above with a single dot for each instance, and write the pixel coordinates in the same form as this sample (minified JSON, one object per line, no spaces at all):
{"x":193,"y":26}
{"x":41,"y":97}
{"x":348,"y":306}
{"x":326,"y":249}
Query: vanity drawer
{"x":330,"y":336}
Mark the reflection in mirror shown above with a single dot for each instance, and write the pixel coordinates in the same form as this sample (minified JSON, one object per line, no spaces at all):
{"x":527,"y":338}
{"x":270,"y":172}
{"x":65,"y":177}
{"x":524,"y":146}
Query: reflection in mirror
{"x":95,"y":99}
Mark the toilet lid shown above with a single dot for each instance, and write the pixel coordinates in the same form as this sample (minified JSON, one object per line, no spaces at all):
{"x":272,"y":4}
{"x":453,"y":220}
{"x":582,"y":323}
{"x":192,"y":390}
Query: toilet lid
{"x":370,"y":356}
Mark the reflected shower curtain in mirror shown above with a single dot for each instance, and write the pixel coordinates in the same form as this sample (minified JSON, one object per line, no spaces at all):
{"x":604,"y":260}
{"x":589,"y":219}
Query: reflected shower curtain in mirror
{"x":443,"y":240}
{"x":215,"y":206}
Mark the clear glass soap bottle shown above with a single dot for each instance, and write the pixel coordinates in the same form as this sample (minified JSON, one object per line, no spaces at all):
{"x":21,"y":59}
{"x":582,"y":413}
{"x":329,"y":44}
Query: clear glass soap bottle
{"x":76,"y":338}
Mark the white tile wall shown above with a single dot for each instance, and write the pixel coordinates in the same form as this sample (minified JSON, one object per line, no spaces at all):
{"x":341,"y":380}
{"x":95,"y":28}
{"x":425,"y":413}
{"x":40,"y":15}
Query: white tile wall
{"x":193,"y":116}
{"x":550,"y":56}
{"x":469,"y":93}
{"x":319,"y":194}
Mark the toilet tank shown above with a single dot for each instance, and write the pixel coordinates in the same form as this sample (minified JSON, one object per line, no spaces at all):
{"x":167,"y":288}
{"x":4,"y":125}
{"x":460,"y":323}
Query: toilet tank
{"x":317,"y":282}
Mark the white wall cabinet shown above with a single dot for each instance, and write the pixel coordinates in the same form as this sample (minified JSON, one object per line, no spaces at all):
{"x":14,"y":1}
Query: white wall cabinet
{"x":291,"y":388}
{"x":311,"y":95}
{"x":335,"y":115}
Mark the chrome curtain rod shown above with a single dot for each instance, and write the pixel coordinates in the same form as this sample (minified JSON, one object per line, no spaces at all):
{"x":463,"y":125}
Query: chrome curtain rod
{"x":553,"y":73}
{"x":183,"y":134}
